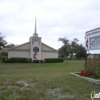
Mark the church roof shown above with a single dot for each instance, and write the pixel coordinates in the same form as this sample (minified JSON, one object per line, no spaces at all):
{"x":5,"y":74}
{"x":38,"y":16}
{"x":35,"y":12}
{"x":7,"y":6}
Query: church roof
{"x":13,"y":48}
{"x":48,"y":47}
{"x":26,"y":47}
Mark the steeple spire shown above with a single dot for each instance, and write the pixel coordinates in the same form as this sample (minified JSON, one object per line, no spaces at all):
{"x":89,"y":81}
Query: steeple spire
{"x":35,"y":31}
{"x":35,"y":26}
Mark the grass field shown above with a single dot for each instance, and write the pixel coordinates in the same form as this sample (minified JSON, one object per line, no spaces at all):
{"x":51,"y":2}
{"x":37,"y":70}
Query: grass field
{"x":48,"y":81}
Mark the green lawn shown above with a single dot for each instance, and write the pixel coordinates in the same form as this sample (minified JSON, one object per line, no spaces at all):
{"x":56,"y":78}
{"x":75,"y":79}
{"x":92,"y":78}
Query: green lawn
{"x":48,"y":81}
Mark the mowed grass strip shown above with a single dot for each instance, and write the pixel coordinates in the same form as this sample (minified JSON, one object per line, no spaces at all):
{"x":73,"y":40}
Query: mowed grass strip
{"x":48,"y":70}
{"x":47,"y":81}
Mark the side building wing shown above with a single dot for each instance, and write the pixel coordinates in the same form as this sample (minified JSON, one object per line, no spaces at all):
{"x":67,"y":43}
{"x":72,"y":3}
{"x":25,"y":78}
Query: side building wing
{"x":48,"y":52}
{"x":22,"y":51}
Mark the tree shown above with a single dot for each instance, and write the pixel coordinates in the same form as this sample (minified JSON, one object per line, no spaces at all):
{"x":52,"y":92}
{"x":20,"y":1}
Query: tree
{"x":73,"y":46}
{"x":67,"y":48}
{"x":64,"y":50}
{"x":81,"y":51}
{"x":2,"y":41}
{"x":10,"y":45}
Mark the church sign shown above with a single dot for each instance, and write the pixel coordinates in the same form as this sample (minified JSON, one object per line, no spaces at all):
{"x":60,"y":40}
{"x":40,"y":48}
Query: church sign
{"x":92,"y":39}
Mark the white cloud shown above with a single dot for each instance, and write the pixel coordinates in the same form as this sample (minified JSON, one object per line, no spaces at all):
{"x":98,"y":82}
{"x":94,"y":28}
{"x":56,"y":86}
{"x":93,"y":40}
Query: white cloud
{"x":55,"y":18}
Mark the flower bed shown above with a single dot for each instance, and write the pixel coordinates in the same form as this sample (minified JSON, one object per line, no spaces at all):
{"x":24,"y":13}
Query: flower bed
{"x":91,"y":71}
{"x":92,"y":67}
{"x":89,"y":79}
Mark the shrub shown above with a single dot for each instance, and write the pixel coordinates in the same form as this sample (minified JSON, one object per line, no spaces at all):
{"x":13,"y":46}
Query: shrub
{"x":93,"y":66}
{"x":17,"y":60}
{"x":53,"y":60}
{"x":29,"y":60}
{"x":4,"y":58}
{"x":37,"y":61}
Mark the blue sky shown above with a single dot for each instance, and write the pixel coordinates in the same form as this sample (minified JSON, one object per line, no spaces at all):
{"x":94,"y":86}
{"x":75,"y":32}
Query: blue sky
{"x":55,"y":19}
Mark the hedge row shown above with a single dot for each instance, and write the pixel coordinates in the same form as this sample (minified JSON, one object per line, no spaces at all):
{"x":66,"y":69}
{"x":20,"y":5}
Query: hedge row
{"x":29,"y":60}
{"x":20,"y":60}
{"x":17,"y":60}
{"x":53,"y":60}
{"x":37,"y":61}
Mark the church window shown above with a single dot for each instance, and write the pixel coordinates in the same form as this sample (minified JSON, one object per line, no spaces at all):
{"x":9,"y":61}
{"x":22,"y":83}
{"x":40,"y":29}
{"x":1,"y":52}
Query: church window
{"x":39,"y":41}
{"x":35,"y":49}
{"x":33,"y":41}
{"x":36,"y":39}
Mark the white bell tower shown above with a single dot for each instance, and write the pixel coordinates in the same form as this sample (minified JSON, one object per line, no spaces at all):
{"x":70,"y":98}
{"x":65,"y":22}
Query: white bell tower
{"x":35,"y":51}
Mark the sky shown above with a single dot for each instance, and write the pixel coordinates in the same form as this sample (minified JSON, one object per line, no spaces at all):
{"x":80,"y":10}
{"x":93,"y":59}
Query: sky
{"x":55,"y":19}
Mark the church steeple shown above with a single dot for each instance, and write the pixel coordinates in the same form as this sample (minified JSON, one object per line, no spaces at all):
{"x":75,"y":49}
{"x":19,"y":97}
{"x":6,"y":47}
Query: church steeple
{"x":35,"y":26}
{"x":35,"y":30}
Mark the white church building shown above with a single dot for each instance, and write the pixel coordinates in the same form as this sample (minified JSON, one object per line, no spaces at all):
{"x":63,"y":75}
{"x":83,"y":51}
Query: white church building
{"x":34,"y":49}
